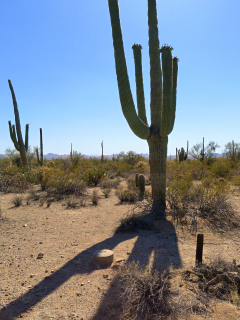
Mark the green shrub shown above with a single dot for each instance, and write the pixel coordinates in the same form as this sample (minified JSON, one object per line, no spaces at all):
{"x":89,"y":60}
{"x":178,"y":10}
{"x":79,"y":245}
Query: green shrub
{"x":44,"y":174}
{"x":65,"y":183}
{"x":221,"y":168}
{"x":31,"y":176}
{"x":123,"y":168}
{"x":179,"y":197}
{"x":93,"y":175}
{"x":142,"y":167}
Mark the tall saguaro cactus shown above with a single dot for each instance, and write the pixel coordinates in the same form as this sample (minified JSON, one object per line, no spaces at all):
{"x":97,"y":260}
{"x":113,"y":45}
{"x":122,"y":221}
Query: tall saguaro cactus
{"x":40,"y":160}
{"x":163,"y":97}
{"x":18,"y":140}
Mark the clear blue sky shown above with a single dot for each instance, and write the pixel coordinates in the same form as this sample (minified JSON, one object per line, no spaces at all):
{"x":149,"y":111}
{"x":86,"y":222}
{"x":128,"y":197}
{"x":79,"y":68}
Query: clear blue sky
{"x":59,"y":57}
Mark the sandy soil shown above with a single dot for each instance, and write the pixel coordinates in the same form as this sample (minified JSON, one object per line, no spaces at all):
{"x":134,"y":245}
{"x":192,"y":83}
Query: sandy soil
{"x":46,"y":252}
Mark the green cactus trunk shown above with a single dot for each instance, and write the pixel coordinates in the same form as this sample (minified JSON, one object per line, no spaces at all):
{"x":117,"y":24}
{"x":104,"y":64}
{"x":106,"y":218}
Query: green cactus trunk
{"x":158,"y":162}
{"x":163,"y":97}
{"x":40,"y":161}
{"x":18,"y":140}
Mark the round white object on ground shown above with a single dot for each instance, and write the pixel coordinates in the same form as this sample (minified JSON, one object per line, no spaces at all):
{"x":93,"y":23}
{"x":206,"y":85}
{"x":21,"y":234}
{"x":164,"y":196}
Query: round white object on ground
{"x":103,"y":257}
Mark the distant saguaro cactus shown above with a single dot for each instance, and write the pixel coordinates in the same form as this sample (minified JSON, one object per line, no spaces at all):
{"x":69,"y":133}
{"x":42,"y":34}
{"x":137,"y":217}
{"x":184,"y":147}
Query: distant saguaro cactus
{"x":182,"y":154}
{"x":18,"y":140}
{"x":163,"y":97}
{"x":102,"y":151}
{"x":40,"y":160}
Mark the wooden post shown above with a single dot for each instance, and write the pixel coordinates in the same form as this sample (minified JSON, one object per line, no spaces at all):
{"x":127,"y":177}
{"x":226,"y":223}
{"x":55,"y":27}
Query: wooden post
{"x":199,"y":250}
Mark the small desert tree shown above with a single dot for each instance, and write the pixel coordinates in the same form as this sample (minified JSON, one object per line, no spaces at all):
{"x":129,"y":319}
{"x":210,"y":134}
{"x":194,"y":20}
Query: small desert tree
{"x":232,"y":151}
{"x":198,"y":152}
{"x":163,"y":97}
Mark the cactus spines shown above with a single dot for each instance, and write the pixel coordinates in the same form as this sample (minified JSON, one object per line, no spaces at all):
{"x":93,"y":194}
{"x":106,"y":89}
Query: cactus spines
{"x":163,"y":84}
{"x":141,"y":184}
{"x":40,"y":161}
{"x":17,"y":139}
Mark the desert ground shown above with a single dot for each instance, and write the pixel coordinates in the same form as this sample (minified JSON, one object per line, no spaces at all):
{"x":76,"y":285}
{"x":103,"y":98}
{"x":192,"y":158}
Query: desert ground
{"x":46,"y":258}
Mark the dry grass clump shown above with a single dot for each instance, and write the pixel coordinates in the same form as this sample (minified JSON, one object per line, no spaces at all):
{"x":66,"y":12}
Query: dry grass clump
{"x":95,"y":197}
{"x":144,"y":293}
{"x":127,"y":195}
{"x":107,"y":183}
{"x":33,"y":195}
{"x":17,"y":200}
{"x":106,"y":192}
{"x":71,"y":202}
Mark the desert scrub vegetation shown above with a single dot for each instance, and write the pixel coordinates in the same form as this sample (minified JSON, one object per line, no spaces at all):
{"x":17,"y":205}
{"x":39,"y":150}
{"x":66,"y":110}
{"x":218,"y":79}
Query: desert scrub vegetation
{"x":95,"y":197}
{"x":144,"y":293}
{"x":17,"y":200}
{"x":12,"y":181}
{"x":65,"y":183}
{"x":94,"y":175}
{"x":127,"y":195}
{"x":208,"y":198}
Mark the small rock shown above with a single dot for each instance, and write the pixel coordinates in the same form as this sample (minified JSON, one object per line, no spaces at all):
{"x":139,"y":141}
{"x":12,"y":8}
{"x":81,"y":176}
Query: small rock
{"x":32,"y":275}
{"x":128,"y":252}
{"x":40,"y":255}
{"x":82,"y":284}
{"x":46,"y":271}
{"x":105,"y":276}
{"x":52,"y":271}
{"x":40,"y":242}
{"x":89,"y":281}
{"x":25,"y":225}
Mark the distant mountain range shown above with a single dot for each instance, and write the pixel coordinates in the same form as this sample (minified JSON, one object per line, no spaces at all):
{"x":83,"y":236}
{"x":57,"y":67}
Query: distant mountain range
{"x":50,"y":156}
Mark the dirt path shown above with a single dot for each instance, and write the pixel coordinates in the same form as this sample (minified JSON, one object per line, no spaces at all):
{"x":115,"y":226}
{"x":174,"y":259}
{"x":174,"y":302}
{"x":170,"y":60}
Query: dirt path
{"x":46,"y":269}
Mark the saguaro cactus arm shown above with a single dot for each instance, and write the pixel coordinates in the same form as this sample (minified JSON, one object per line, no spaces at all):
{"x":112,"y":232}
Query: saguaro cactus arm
{"x":126,"y":99}
{"x":137,"y":53}
{"x":17,"y":119}
{"x":40,"y":161}
{"x":13,"y":135}
{"x":26,"y":137}
{"x":155,"y":66}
